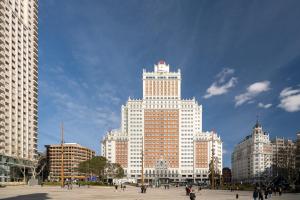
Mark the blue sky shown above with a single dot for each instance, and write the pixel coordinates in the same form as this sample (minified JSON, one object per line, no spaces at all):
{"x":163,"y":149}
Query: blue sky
{"x":239,"y":59}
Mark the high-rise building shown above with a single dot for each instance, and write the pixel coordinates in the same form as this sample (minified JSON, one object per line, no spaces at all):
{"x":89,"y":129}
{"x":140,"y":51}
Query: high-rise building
{"x":166,"y":129}
{"x":283,"y":158}
{"x":251,"y":159}
{"x":297,"y":158}
{"x":226,"y":175}
{"x":73,"y":154}
{"x":18,"y":82}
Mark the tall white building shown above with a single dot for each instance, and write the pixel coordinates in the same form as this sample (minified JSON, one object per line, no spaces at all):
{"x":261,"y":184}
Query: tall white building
{"x":251,"y":159}
{"x":167,"y":129}
{"x":18,"y":82}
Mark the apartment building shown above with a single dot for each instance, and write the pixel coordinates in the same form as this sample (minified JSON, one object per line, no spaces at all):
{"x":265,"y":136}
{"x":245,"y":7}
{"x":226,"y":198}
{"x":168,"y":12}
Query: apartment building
{"x":166,"y":130}
{"x":284,"y":154}
{"x":73,"y":154}
{"x":251,"y":160}
{"x":18,"y":83}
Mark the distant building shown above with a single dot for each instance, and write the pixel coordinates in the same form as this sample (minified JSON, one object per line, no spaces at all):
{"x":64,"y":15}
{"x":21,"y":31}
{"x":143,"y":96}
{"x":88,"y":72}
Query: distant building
{"x":73,"y":155}
{"x":283,"y":158}
{"x":115,"y":148}
{"x":251,"y":159}
{"x":226,"y":173}
{"x":167,"y":129}
{"x":297,"y":157}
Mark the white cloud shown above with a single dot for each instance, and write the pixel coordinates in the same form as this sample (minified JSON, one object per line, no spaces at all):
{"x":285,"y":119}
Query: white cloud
{"x":252,"y":91}
{"x":220,"y":86}
{"x":266,"y":106}
{"x":224,"y":73}
{"x":290,"y":99}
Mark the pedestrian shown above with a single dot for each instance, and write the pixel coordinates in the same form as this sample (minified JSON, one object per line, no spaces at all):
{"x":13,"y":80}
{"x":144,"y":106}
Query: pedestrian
{"x":255,"y":194}
{"x":266,"y":193}
{"x":116,"y":187}
{"x":260,"y":195}
{"x":143,"y":189}
{"x":269,"y":193}
{"x":199,"y":188}
{"x":187,"y":190}
{"x":280,"y":191}
{"x":192,"y":195}
{"x":237,"y":196}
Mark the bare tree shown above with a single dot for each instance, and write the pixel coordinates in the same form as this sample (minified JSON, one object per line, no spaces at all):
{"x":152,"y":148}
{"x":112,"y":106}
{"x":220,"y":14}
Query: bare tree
{"x":38,"y":166}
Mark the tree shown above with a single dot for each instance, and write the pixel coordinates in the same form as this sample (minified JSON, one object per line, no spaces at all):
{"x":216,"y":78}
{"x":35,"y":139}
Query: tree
{"x":95,"y":166}
{"x":114,"y":170}
{"x":22,"y":165}
{"x":38,"y":166}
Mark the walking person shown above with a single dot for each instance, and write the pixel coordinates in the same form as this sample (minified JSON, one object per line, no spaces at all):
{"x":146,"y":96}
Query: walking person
{"x":187,"y":190}
{"x":260,"y":195}
{"x":269,"y":193}
{"x":199,"y":188}
{"x":280,"y":191}
{"x":192,"y":195}
{"x":255,"y":194}
{"x":266,"y":193}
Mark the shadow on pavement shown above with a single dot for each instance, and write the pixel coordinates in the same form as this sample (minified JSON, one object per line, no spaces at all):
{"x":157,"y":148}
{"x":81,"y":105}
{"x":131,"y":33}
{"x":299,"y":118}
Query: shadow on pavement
{"x":36,"y":196}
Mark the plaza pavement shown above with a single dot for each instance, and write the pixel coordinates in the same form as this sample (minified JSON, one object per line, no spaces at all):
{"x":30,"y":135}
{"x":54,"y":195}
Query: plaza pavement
{"x":131,"y":193}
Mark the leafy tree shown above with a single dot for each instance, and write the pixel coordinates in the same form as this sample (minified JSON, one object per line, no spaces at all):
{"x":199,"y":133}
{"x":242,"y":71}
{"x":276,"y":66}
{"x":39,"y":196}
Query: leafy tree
{"x":114,"y":170}
{"x":95,"y":166}
{"x":100,"y":167}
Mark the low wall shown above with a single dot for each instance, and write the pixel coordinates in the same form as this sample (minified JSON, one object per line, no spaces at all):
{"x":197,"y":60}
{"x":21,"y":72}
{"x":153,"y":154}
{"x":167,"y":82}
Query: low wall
{"x":13,"y":183}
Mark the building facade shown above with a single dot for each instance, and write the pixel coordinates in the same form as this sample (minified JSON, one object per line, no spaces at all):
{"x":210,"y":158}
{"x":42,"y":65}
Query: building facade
{"x":73,"y":154}
{"x":251,"y":160}
{"x":226,"y":175}
{"x":18,"y":83}
{"x":297,"y":154}
{"x":284,"y":162}
{"x":166,"y":130}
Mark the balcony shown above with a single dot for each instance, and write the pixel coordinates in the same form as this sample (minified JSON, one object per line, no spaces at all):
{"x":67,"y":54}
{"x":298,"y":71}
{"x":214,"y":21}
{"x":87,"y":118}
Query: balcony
{"x":2,"y":96}
{"x":2,"y":124}
{"x":2,"y":138}
{"x":2,"y":5}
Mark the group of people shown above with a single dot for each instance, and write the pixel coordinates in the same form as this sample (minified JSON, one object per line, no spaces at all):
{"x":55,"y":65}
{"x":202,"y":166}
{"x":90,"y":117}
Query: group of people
{"x":69,"y":184}
{"x":143,"y":189}
{"x":123,"y":187}
{"x":190,"y":192}
{"x":167,"y":186}
{"x":266,"y":193}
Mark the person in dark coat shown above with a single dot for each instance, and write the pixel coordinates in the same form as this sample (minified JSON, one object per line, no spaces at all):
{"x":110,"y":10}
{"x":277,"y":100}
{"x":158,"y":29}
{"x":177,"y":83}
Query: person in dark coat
{"x":187,"y":190}
{"x":266,"y":193}
{"x":255,"y":194}
{"x":260,"y":195}
{"x":192,"y":195}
